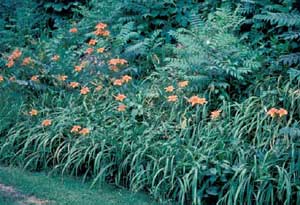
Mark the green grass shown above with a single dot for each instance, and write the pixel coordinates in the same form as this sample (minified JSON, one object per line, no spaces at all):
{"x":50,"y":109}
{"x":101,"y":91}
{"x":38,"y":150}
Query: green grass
{"x":66,"y":190}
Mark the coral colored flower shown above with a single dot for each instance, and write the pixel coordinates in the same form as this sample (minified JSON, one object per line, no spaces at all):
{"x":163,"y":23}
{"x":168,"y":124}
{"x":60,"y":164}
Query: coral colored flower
{"x":89,"y":51}
{"x":78,"y":68}
{"x":73,"y":30}
{"x":100,"y":50}
{"x":282,"y":112}
{"x":27,"y":61}
{"x":98,"y":32}
{"x":196,"y":100}
{"x":10,"y":63}
{"x":62,"y":77}
{"x":84,"y":131}
{"x":34,"y":78}
{"x":121,"y":108}
{"x":98,"y":88}
{"x":84,"y":90}
{"x":92,"y":42}
{"x":215,"y":114}
{"x":202,"y":101}
{"x":120,"y":97}
{"x":169,"y":88}
{"x":105,"y":33}
{"x":55,"y":58}
{"x":183,"y":84}
{"x":46,"y":122}
{"x":101,"y":32}
{"x":101,"y":26}
{"x":15,"y":55}
{"x":118,"y":82}
{"x":33,"y":112}
{"x":75,"y":129}
{"x":126,"y":78}
{"x":113,"y":62}
{"x":117,"y":61}
{"x":114,"y":68}
{"x":74,"y":84}
{"x":1,"y":78}
{"x":272,"y":112}
{"x":172,"y":98}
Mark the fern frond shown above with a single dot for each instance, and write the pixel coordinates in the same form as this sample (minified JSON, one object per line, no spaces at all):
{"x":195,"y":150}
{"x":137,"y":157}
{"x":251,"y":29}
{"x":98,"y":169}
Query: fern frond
{"x":293,"y":35}
{"x":290,"y":59}
{"x":281,"y":19}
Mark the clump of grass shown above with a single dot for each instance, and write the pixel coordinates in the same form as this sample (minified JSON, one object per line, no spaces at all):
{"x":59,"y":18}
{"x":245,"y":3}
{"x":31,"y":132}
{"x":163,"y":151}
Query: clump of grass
{"x":241,"y":157}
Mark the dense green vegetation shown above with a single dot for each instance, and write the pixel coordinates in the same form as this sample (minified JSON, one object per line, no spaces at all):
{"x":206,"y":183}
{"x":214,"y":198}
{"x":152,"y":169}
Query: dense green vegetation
{"x":194,"y":101}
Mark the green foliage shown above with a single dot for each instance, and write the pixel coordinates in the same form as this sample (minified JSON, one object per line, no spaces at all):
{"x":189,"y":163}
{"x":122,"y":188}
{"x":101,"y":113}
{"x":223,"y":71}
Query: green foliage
{"x":281,"y":19}
{"x":20,"y":23}
{"x":11,"y":103}
{"x":275,"y":25}
{"x":252,"y":155}
{"x":237,"y":55}
{"x":211,"y":57}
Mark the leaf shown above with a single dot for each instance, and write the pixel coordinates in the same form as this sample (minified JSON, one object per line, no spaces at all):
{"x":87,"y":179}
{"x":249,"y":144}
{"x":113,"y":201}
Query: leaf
{"x":213,"y":190}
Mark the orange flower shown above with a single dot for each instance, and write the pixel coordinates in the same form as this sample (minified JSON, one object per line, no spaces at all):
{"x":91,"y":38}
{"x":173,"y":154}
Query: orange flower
{"x":62,"y":77}
{"x":33,"y":112}
{"x":98,"y":88}
{"x":78,"y":68}
{"x":15,"y":55}
{"x":272,"y":112}
{"x":10,"y":63}
{"x":169,"y":88}
{"x":55,"y":58}
{"x":92,"y":42}
{"x":84,"y":90}
{"x":202,"y":101}
{"x":98,"y":32}
{"x":1,"y":78}
{"x":73,"y":30}
{"x":120,"y":97}
{"x":74,"y":84}
{"x":75,"y":129}
{"x":116,"y":61}
{"x":100,"y":50}
{"x":215,"y":114}
{"x":282,"y":112}
{"x":89,"y":51}
{"x":126,"y":78}
{"x":172,"y":98}
{"x":101,"y":26}
{"x":113,"y":62}
{"x":27,"y":61}
{"x":84,"y":131}
{"x":105,"y":33}
{"x":183,"y":84}
{"x":121,"y":108}
{"x":114,"y":68}
{"x":46,"y":122}
{"x":118,"y":82}
{"x":34,"y":78}
{"x":196,"y":100}
{"x":122,"y":61}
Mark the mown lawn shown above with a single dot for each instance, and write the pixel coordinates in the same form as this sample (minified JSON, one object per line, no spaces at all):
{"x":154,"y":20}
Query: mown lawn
{"x":65,"y":190}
